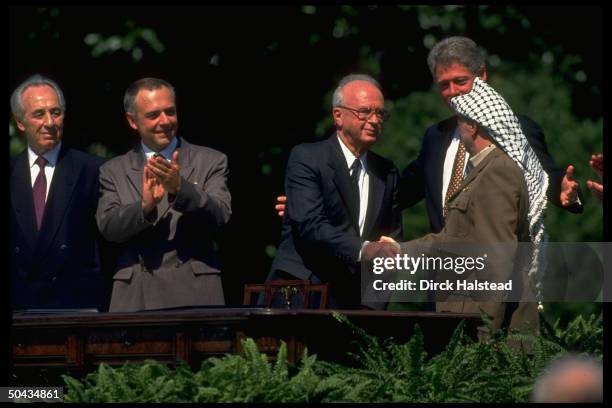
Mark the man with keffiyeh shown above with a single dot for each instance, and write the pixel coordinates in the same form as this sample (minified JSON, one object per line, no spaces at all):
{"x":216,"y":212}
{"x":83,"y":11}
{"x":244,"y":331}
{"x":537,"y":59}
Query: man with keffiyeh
{"x":501,"y":199}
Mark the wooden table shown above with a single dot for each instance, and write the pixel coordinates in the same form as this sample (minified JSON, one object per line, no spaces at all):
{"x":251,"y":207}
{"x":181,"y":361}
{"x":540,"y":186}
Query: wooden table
{"x":47,"y":345}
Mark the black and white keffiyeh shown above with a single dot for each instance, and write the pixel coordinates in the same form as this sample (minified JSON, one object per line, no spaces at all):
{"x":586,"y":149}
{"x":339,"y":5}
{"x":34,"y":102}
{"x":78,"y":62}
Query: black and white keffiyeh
{"x":489,"y":109}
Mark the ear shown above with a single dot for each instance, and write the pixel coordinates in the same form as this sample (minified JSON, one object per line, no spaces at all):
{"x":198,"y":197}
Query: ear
{"x":337,"y":115}
{"x":19,"y":124}
{"x":483,"y":74}
{"x":472,"y":127}
{"x":131,"y":120}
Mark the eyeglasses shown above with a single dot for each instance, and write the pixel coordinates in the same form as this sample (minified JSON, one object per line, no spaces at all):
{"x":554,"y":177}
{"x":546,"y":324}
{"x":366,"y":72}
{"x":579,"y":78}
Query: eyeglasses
{"x":365,"y":113}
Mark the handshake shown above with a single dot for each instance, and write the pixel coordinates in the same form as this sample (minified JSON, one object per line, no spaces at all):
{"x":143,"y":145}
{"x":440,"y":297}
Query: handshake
{"x":385,"y":248}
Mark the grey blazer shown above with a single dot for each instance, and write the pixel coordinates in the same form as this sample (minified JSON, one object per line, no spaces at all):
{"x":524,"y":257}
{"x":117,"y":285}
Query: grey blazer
{"x":168,"y":262}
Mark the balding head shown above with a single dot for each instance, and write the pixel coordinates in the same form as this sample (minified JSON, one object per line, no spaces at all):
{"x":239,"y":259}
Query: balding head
{"x":570,"y":379}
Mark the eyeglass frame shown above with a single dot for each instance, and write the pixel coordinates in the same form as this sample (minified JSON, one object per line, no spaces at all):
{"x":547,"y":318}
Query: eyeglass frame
{"x":385,"y":113}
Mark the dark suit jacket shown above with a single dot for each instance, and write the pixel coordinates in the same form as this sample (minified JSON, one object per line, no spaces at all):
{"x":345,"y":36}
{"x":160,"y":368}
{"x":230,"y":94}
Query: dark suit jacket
{"x":168,"y":262}
{"x":423,"y":177}
{"x":60,"y":265}
{"x":320,"y":234}
{"x":490,"y":206}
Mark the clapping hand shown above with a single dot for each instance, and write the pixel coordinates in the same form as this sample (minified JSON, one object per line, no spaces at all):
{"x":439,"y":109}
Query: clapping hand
{"x":167,"y":173}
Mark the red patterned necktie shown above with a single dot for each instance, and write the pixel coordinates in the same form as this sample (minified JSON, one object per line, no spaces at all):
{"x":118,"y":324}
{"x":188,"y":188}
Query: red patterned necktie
{"x":39,"y":191}
{"x":456,"y":177}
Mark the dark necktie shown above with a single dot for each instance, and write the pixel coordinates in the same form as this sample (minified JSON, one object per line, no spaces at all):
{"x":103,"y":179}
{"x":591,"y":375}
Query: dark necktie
{"x":456,"y":176}
{"x":39,"y":191}
{"x":355,"y":170}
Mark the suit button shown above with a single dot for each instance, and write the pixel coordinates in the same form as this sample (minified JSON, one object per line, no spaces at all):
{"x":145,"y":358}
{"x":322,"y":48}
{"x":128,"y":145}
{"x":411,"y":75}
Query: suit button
{"x":17,"y":250}
{"x":63,"y":247}
{"x":54,"y":278}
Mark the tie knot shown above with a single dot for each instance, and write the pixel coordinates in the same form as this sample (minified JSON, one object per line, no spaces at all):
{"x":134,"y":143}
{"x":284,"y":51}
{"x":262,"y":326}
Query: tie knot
{"x":41,"y":161}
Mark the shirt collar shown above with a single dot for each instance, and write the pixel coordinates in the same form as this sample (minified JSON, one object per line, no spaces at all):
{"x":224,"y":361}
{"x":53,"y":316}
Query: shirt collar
{"x":167,"y":152}
{"x":478,"y":157}
{"x":50,"y":156}
{"x":350,"y":157}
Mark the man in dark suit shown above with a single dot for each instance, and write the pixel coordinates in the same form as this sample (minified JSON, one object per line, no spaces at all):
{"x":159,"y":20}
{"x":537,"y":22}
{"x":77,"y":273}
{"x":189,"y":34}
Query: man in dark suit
{"x":340,"y":197}
{"x":162,"y":201}
{"x":55,"y":258}
{"x":454,"y":63}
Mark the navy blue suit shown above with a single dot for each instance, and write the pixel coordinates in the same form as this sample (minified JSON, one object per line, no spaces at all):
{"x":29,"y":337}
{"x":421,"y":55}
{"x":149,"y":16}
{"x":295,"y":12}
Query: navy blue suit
{"x":58,"y":266}
{"x":423,"y":177}
{"x":320,"y":237}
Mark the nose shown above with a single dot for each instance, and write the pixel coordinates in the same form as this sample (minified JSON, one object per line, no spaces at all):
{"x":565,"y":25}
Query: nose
{"x":164,"y":120}
{"x":374,"y":118}
{"x":453,"y":90}
{"x":48,"y":120}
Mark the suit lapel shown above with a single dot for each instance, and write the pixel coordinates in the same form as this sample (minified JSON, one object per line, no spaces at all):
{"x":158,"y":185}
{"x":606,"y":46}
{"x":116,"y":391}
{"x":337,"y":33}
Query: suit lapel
{"x":376,"y":193}
{"x":185,"y":160}
{"x":22,"y":200}
{"x":342,"y":180}
{"x":62,"y":186}
{"x":476,"y":171}
{"x":136,"y":172}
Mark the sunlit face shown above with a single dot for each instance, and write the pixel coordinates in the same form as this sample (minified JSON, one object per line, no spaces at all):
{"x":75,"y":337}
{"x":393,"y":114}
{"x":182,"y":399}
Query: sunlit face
{"x":155,"y":117}
{"x":455,"y":79}
{"x":359,"y":95}
{"x":43,"y":118}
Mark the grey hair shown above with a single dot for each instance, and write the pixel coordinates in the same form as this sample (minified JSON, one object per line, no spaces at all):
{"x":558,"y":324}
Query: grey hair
{"x":549,"y":384}
{"x":337,"y":98}
{"x":35,"y":80}
{"x":457,"y":49}
{"x":129,"y":99}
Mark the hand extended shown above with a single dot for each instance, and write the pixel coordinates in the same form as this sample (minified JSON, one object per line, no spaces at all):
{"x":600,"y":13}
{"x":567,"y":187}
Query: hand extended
{"x":379,"y":250}
{"x":569,"y":187}
{"x":280,"y":205}
{"x":596,"y":164}
{"x":152,"y":191}
{"x":166,"y":173}
{"x":389,"y":240}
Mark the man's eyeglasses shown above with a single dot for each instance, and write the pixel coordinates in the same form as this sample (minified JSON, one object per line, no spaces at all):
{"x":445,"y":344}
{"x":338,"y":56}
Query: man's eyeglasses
{"x":365,"y":113}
